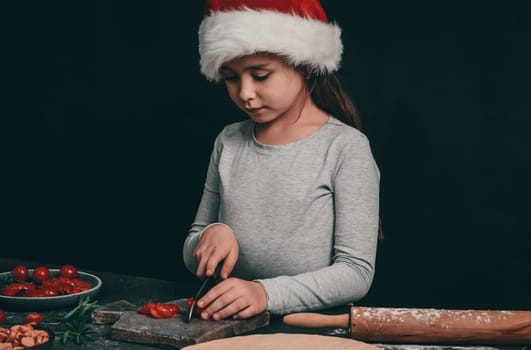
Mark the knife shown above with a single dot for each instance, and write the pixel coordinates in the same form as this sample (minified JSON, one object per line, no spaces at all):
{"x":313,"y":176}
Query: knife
{"x":207,"y":284}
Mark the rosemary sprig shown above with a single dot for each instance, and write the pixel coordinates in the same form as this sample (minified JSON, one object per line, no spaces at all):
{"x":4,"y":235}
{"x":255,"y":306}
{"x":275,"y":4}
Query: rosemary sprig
{"x":6,"y":279}
{"x":75,"y":325}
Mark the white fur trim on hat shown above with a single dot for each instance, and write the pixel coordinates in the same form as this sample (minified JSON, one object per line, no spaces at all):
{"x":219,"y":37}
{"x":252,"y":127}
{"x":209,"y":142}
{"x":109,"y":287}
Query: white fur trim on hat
{"x":224,"y":36}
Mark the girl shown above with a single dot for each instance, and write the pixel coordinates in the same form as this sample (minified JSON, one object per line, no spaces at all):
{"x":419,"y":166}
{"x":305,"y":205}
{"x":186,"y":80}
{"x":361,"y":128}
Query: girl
{"x":290,"y":204}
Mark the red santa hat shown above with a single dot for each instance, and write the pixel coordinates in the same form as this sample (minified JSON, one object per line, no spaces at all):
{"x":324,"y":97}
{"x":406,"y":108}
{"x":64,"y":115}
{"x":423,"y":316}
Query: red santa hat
{"x":295,"y":29}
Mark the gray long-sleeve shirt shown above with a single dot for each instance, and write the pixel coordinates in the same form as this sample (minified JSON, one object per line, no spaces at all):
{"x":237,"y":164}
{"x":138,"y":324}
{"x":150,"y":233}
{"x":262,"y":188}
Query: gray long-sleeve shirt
{"x":305,"y":214}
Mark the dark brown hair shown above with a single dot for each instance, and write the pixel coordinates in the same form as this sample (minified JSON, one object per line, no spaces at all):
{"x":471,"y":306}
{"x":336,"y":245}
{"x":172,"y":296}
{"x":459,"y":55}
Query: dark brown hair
{"x":326,"y":92}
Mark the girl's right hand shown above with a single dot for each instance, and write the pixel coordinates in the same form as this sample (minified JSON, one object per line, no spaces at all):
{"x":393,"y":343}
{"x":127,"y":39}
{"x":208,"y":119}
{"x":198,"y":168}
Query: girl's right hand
{"x":217,"y":244}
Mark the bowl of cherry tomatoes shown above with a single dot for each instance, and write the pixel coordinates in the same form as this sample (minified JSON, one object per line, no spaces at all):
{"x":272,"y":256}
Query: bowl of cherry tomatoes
{"x":42,"y":288}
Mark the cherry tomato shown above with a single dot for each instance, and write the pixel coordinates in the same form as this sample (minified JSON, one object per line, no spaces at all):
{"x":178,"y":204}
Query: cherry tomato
{"x":174,"y":308}
{"x":80,"y":285}
{"x":62,"y":285}
{"x":159,"y":310}
{"x":41,"y":274}
{"x":189,"y":302}
{"x":27,"y":288}
{"x":68,"y":271}
{"x":3,"y":316}
{"x":12,"y":289}
{"x":146,"y":309}
{"x":20,"y":273}
{"x":34,"y":318}
{"x":43,"y":292}
{"x":197,"y":309}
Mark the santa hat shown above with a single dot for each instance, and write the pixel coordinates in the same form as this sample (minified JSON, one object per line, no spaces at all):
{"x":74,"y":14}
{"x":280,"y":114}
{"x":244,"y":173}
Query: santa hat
{"x":295,"y":29}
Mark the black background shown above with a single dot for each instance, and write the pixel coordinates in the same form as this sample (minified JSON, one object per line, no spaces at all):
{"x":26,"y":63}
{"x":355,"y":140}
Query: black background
{"x":107,"y":128}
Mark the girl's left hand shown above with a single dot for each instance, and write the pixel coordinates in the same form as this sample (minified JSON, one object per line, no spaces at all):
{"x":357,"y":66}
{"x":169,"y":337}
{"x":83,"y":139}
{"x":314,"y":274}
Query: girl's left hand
{"x":233,"y":297}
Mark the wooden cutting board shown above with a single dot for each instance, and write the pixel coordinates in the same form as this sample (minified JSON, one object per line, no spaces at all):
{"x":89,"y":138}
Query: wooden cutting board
{"x":172,"y":333}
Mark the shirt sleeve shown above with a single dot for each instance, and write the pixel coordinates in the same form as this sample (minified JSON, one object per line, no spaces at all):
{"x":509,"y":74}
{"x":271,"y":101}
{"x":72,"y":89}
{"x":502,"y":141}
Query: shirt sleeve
{"x":207,"y":213}
{"x":349,"y":277}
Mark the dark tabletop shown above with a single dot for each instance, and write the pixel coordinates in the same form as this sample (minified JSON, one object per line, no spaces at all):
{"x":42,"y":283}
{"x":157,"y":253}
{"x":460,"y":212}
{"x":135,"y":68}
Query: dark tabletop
{"x":139,"y":290}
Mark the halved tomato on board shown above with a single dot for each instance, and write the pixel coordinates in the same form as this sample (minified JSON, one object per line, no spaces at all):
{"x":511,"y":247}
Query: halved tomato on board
{"x":159,"y":310}
{"x":146,"y":308}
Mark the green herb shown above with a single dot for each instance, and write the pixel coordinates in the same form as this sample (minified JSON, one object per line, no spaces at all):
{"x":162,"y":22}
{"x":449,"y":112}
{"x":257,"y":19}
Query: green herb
{"x":7,"y":279}
{"x":75,"y":324}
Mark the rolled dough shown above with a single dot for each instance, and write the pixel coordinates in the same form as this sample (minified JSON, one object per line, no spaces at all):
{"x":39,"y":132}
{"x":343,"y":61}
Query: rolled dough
{"x":281,"y":341}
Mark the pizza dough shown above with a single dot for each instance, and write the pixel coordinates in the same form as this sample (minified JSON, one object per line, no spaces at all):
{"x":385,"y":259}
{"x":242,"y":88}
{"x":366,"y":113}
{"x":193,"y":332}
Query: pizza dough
{"x":281,"y":341}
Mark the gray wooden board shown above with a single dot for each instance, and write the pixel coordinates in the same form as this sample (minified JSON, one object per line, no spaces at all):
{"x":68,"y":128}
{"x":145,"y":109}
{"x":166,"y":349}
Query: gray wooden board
{"x":110,"y":313}
{"x":175,"y":332}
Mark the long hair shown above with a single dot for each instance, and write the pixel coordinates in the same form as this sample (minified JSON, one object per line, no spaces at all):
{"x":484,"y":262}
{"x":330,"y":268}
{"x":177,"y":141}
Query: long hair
{"x":326,"y":92}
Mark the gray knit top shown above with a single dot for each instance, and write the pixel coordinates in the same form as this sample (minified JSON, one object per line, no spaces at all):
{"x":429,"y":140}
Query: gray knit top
{"x":305,"y":214}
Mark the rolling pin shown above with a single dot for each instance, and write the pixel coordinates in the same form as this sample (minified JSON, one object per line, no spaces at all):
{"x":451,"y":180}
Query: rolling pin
{"x":424,"y":326}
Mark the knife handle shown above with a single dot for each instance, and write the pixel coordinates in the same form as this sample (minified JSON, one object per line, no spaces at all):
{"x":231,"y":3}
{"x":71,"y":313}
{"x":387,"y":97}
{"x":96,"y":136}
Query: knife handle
{"x":315,"y":320}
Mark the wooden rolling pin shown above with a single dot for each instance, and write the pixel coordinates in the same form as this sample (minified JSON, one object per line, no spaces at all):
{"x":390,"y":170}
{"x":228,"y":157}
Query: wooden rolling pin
{"x":425,"y":326}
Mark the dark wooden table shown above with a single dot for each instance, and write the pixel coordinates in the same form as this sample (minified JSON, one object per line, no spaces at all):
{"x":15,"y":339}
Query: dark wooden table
{"x":139,"y":290}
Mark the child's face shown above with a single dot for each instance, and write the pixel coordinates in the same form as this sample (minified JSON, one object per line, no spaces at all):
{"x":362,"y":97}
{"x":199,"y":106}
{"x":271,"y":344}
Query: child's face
{"x":264,"y":87}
